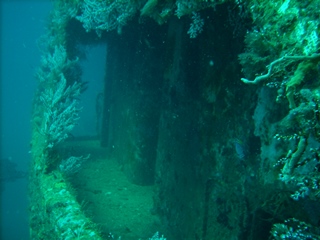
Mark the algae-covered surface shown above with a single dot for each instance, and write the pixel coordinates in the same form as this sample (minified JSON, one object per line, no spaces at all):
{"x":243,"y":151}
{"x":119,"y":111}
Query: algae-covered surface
{"x":119,"y":207}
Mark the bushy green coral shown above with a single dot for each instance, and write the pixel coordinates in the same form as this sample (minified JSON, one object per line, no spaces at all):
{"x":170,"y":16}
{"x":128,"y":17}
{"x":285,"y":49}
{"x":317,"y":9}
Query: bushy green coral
{"x":285,"y":55}
{"x":298,"y":77}
{"x":294,"y":229}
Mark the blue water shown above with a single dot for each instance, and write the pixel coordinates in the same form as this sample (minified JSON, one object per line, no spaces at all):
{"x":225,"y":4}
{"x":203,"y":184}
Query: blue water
{"x":22,"y":23}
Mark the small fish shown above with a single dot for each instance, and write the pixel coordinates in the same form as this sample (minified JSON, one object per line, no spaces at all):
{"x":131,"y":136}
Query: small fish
{"x":9,"y":173}
{"x":240,"y":148}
